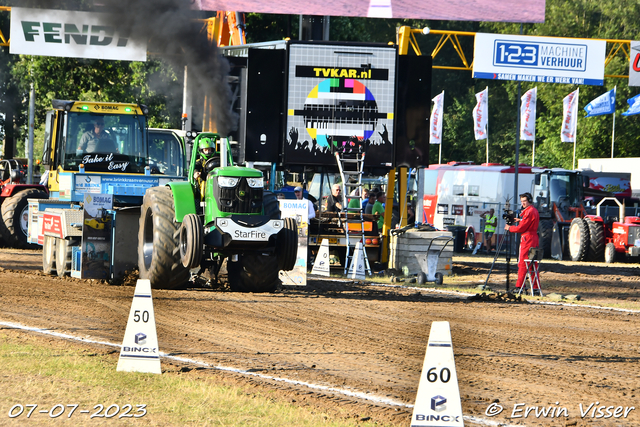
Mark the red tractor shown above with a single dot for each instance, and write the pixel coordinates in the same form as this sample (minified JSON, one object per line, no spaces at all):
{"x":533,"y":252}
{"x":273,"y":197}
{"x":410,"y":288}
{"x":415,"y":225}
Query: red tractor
{"x":609,"y":232}
{"x":14,"y":192}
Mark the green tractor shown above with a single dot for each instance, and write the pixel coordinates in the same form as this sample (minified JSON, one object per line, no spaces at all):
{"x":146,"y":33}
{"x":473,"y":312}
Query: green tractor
{"x":226,"y":220}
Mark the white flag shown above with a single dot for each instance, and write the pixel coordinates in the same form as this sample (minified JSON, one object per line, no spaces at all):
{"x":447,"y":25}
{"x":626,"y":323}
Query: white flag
{"x":480,"y":114}
{"x":435,"y":122}
{"x":569,"y":117}
{"x":528,"y":115}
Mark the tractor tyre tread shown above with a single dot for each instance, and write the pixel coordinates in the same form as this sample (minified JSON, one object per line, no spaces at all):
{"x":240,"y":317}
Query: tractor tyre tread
{"x":165,"y":269}
{"x":545,"y":230}
{"x":610,"y":253}
{"x":287,"y":246}
{"x":192,"y":239}
{"x":253,"y":273}
{"x":578,"y":252}
{"x":595,"y":251}
{"x":271,"y":205}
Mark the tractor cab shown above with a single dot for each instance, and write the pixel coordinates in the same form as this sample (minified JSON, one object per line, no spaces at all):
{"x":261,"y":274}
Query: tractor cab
{"x":558,"y":194}
{"x":111,"y":138}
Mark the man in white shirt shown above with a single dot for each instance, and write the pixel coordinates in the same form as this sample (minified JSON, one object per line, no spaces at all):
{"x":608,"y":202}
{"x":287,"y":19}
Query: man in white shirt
{"x":298,"y":192}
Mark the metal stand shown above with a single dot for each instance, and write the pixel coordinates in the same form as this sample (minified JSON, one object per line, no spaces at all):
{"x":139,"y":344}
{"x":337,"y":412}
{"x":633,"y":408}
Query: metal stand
{"x":508,"y":260}
{"x":532,"y":278}
{"x":498,"y":249}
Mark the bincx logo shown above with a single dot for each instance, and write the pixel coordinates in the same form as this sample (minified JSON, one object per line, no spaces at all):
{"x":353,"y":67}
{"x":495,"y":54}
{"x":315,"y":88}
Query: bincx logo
{"x":140,"y":338}
{"x":139,"y":350}
{"x":66,"y":33}
{"x":438,"y":403}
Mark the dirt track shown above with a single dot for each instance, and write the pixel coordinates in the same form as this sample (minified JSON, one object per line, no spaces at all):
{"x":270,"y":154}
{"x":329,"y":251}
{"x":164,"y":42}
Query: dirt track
{"x":372,"y":339}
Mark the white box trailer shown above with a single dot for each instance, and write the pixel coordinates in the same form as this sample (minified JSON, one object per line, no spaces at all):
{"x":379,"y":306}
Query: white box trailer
{"x":458,"y":194}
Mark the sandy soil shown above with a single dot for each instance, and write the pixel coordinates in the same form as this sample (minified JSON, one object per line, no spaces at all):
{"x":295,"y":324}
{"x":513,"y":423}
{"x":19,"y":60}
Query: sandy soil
{"x":372,"y":338}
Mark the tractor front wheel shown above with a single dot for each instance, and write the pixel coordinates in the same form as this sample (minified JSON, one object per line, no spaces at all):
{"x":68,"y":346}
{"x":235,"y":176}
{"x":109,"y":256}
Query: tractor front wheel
{"x":191,"y":241}
{"x":158,"y":248}
{"x":253,"y":273}
{"x":596,"y":240}
{"x":610,"y":253}
{"x":578,"y":239}
{"x":545,"y":230}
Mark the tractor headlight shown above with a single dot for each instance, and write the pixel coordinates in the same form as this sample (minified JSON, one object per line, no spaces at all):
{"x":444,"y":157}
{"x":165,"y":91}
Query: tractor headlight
{"x":227,"y":181}
{"x":255,"y":182}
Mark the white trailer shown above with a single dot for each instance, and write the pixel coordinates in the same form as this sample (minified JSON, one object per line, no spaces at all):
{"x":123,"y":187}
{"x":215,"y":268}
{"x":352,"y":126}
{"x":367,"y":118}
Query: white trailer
{"x":458,"y":194}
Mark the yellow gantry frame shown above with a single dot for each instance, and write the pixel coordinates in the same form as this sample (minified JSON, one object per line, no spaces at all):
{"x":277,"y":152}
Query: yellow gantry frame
{"x":4,"y":41}
{"x":406,"y":39}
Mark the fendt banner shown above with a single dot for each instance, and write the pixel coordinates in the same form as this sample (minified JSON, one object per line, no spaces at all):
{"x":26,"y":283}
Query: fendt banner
{"x":539,"y":59}
{"x":452,"y":10}
{"x":71,"y":34}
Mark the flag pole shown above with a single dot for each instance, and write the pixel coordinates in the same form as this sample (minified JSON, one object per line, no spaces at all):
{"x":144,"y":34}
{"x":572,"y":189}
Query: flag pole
{"x":486,"y":127}
{"x":575,"y":135}
{"x":613,"y":132}
{"x":613,"y":129}
{"x":486,"y":130}
{"x":440,"y":153}
{"x":533,"y":153}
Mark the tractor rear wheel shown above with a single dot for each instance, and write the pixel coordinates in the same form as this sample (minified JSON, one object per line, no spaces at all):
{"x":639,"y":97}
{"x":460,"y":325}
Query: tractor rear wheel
{"x":15,"y":222}
{"x":48,"y":255}
{"x":158,"y":248}
{"x":287,"y":245}
{"x":545,"y":230}
{"x":253,"y":273}
{"x":270,"y":205}
{"x":595,"y":251}
{"x":578,"y":239}
{"x":610,"y":253}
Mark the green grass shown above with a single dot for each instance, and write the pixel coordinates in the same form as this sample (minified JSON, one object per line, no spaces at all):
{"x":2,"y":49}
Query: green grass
{"x":32,"y":372}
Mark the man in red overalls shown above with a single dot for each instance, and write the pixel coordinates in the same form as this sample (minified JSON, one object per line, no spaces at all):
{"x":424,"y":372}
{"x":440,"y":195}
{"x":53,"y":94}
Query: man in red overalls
{"x":528,"y":229}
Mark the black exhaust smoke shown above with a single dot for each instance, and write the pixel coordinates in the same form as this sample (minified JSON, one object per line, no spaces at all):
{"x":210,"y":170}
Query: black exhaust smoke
{"x":173,"y":32}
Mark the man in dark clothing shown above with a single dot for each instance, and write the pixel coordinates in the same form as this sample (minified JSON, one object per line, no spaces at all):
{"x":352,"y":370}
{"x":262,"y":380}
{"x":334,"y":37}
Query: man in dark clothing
{"x":334,"y":201}
{"x":97,"y":140}
{"x":373,"y":196}
{"x":206,"y":151}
